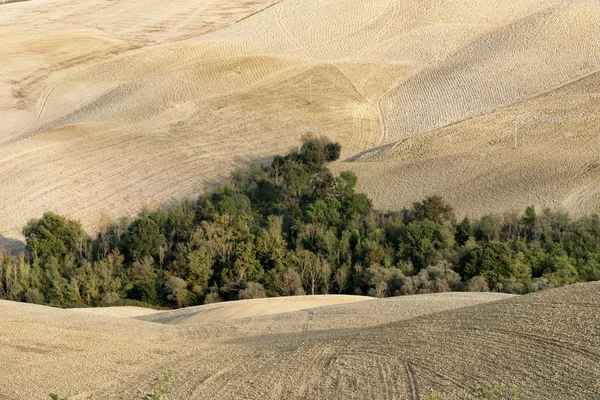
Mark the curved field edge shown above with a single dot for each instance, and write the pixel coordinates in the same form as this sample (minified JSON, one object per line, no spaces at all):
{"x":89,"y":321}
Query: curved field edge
{"x":319,"y":352}
{"x":475,"y":166}
{"x":370,"y":45}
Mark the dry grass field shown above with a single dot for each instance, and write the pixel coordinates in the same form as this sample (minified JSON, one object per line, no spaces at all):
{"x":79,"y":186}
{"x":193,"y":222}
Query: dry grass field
{"x":475,"y":166}
{"x":310,"y":347}
{"x":109,"y":105}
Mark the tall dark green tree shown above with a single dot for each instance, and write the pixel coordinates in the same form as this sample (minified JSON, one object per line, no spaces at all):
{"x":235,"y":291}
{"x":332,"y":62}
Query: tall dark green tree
{"x":54,"y":236}
{"x":144,"y":239}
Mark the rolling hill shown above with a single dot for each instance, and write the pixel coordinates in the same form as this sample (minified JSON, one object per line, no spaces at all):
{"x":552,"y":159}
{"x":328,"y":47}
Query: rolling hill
{"x":107,"y":106}
{"x":405,"y":347}
{"x":110,"y":105}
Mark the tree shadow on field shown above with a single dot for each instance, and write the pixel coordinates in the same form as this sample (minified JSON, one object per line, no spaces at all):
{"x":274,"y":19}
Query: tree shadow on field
{"x":245,"y":163}
{"x":369,"y":152}
{"x":13,"y":246}
{"x":204,"y":185}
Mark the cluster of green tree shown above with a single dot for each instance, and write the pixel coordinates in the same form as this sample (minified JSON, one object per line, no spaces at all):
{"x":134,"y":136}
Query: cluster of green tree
{"x":292,"y":228}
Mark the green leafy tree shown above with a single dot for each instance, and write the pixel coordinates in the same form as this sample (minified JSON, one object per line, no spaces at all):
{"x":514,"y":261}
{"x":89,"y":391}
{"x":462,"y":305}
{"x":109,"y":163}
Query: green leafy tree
{"x":179,"y":223}
{"x":422,"y":241}
{"x":296,"y":178}
{"x":199,"y":269}
{"x":271,"y":247}
{"x":464,"y":231}
{"x":530,"y":222}
{"x":498,"y":264}
{"x":435,"y":209}
{"x":245,"y":268}
{"x":326,"y":211}
{"x":357,"y":206}
{"x":54,"y":236}
{"x":177,"y":291}
{"x":144,"y":281}
{"x":144,"y":239}
{"x":317,"y":151}
{"x":560,"y":271}
{"x":346,"y":182}
{"x":253,"y":290}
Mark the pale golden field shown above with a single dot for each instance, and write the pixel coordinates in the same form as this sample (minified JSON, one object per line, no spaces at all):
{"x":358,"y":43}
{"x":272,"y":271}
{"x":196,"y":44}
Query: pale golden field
{"x":109,"y":105}
{"x":312,"y":347}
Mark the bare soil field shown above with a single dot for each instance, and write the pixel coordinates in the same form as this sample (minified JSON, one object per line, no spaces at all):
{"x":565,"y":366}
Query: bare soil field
{"x":106,"y":106}
{"x":248,"y":308}
{"x":474,"y":164}
{"x":118,"y":312}
{"x":403,"y":347}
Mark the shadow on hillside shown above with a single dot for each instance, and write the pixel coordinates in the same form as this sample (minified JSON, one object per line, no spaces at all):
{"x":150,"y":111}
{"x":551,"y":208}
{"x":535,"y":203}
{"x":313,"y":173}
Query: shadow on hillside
{"x":11,"y":245}
{"x":244,"y":164}
{"x":210,"y":185}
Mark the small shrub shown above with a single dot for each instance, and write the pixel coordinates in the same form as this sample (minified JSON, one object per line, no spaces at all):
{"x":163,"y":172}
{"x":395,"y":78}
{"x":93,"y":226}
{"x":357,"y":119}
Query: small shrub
{"x":510,"y":286}
{"x":489,"y":391}
{"x":496,"y":390}
{"x":539,"y":284}
{"x":433,"y":279}
{"x":177,"y":289}
{"x":253,"y":290}
{"x":290,"y":283}
{"x":433,"y":396}
{"x":34,"y":296}
{"x":159,"y":387}
{"x":383,"y":281}
{"x":110,"y":298}
{"x":213,"y":296}
{"x":515,"y":393}
{"x":477,"y":284}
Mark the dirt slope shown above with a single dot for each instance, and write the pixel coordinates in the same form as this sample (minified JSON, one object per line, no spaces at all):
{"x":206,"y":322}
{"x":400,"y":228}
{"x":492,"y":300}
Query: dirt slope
{"x":543,"y":344}
{"x":394,"y":348}
{"x":142,"y":21}
{"x":221,"y":312}
{"x":475,"y":166}
{"x":120,"y":312}
{"x":141,"y":103}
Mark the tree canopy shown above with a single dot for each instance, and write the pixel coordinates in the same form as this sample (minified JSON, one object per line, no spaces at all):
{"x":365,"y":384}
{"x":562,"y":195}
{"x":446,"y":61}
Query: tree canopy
{"x":288,"y":228}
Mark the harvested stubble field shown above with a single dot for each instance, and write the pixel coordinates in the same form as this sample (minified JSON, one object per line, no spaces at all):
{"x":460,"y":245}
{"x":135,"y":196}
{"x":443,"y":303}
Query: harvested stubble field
{"x":108,"y":105}
{"x":310,"y":347}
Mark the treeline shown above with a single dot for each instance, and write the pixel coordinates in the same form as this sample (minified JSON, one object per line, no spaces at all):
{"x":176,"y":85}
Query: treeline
{"x":292,"y":228}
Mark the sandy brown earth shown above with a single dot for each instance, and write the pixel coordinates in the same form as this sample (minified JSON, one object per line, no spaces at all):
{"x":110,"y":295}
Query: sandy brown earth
{"x":233,"y":310}
{"x":402,"y":348}
{"x":112,"y":104}
{"x":119,"y":312}
{"x":475,"y":165}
